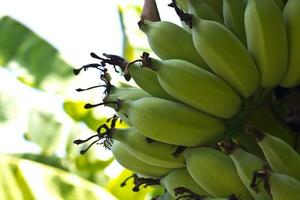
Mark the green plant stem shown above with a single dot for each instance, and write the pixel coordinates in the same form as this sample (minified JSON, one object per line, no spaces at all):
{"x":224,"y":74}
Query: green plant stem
{"x":236,"y":124}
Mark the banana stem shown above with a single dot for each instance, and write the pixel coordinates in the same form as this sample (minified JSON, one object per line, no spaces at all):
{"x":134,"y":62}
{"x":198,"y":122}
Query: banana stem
{"x":235,"y":124}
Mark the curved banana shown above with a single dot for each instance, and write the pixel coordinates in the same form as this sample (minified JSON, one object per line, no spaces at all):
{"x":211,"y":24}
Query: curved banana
{"x":291,"y":14}
{"x":204,"y":11}
{"x":226,"y":55}
{"x":165,"y":196}
{"x":181,"y":178}
{"x":280,"y":156}
{"x":130,"y":162}
{"x":130,"y":93}
{"x":172,"y":122}
{"x":185,"y":27}
{"x":280,"y":4}
{"x":249,"y":143}
{"x":267,"y":40}
{"x":197,"y":87}
{"x":147,"y":80}
{"x":154,"y":152}
{"x":279,"y":186}
{"x":208,"y":166}
{"x":284,"y":187}
{"x":265,"y":119}
{"x":245,"y":164}
{"x":165,"y":44}
{"x":182,"y":4}
{"x":233,"y":14}
{"x":217,"y":5}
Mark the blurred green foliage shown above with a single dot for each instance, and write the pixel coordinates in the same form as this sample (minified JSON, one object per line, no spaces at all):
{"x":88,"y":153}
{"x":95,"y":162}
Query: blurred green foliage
{"x":57,"y":170}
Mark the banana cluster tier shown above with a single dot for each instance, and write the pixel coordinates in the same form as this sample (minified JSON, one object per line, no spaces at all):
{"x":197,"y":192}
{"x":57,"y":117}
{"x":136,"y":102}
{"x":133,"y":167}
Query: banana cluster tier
{"x":214,"y":112}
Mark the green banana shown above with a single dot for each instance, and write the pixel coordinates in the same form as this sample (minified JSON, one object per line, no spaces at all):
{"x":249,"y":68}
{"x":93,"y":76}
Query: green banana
{"x":265,"y":119}
{"x":291,"y":14}
{"x":165,"y":44}
{"x":154,"y":152}
{"x":220,"y":198}
{"x":245,"y":164}
{"x":233,"y":14}
{"x":284,"y":187}
{"x":172,"y":122}
{"x":208,"y":166}
{"x":181,"y":178}
{"x":226,"y":55}
{"x":280,"y":156}
{"x":176,"y":183}
{"x":182,"y":4}
{"x":130,"y":162}
{"x":144,"y":78}
{"x":209,"y":93}
{"x":217,"y":5}
{"x":279,"y":186}
{"x":165,"y":196}
{"x":147,"y":80}
{"x":248,"y":143}
{"x":130,"y":93}
{"x":267,"y":42}
{"x":280,"y":4}
{"x":185,"y":27}
{"x":204,"y":11}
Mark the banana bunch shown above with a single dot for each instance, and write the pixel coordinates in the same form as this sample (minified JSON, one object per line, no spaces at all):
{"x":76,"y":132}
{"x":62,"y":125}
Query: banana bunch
{"x":205,"y":117}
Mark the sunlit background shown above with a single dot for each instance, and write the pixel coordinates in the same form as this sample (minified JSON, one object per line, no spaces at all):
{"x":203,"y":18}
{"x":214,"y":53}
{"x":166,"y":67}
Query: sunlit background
{"x":40,"y":112}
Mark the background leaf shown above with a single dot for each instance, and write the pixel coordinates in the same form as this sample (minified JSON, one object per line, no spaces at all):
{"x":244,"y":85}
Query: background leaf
{"x":40,"y":181}
{"x":44,"y":68}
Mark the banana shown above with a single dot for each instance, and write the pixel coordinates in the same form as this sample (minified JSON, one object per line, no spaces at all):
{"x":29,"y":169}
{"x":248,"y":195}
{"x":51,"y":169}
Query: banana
{"x":265,"y":119}
{"x":176,"y":183}
{"x":165,"y":44}
{"x":197,"y":87}
{"x":280,"y":156}
{"x":130,"y":162}
{"x":181,"y":178}
{"x":130,"y":93}
{"x":248,"y":143}
{"x":233,"y":14}
{"x":165,"y":196}
{"x":154,"y":153}
{"x":147,"y":80}
{"x":144,"y":78}
{"x":204,"y":11}
{"x":267,"y":40}
{"x":185,"y":27}
{"x":291,"y":14}
{"x":215,"y":172}
{"x":182,"y":4}
{"x":284,"y":187}
{"x":225,"y":54}
{"x":279,"y":186}
{"x":171,"y":122}
{"x":217,"y":5}
{"x":231,"y":197}
{"x":280,"y":4}
{"x":245,"y":164}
